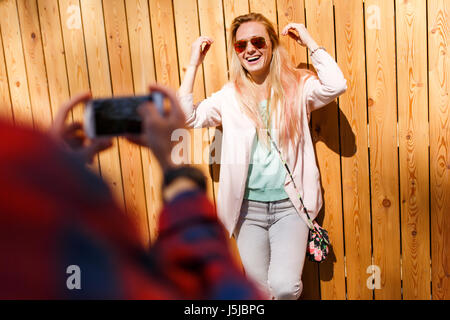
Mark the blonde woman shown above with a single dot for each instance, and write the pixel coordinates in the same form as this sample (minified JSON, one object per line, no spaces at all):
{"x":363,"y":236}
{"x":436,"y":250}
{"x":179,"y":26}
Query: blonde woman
{"x":257,"y":201}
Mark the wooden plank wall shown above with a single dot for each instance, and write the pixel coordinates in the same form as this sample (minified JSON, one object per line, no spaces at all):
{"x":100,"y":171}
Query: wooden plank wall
{"x":383,"y":147}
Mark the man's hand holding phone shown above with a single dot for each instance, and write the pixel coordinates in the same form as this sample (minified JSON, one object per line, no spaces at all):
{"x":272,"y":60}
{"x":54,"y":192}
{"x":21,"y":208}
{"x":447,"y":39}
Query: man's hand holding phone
{"x":155,"y":124}
{"x":157,"y":128}
{"x":72,"y":136}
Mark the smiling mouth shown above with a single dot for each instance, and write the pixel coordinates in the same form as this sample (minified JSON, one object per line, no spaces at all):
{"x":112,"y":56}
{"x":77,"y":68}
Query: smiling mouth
{"x":253,"y":59}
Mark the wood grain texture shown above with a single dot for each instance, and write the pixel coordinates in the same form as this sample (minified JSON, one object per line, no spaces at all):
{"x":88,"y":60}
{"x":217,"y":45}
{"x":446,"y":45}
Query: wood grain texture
{"x":122,"y":85}
{"x":143,"y":65}
{"x":266,"y":7}
{"x":15,"y":63}
{"x":355,"y":165}
{"x":413,"y":143}
{"x":73,"y":38}
{"x":6,"y":113}
{"x":165,"y":49}
{"x":75,"y":54}
{"x":439,"y":110}
{"x":54,"y":53}
{"x":100,"y":83}
{"x":231,"y":10}
{"x":382,"y":101}
{"x":166,"y":60}
{"x":187,"y":31}
{"x":325,"y":133}
{"x":215,"y":63}
{"x":35,"y":63}
{"x":292,"y":11}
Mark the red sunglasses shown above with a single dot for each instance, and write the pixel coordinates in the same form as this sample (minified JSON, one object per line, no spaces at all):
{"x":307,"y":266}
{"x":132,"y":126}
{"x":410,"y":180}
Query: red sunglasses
{"x":257,"y":42}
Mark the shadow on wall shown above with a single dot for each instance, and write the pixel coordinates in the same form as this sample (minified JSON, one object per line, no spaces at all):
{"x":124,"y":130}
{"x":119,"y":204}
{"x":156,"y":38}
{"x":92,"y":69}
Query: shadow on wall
{"x":330,"y":126}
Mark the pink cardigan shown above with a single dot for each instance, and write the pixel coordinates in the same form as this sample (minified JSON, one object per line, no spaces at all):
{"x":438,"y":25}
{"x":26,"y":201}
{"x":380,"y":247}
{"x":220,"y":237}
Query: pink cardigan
{"x":222,"y":108}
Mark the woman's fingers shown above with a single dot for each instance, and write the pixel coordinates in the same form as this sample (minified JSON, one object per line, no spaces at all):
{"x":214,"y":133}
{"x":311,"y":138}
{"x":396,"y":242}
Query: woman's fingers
{"x":199,"y":49}
{"x":297,"y":31}
{"x":203,"y":39}
{"x":288,"y":27}
{"x":207,"y":42}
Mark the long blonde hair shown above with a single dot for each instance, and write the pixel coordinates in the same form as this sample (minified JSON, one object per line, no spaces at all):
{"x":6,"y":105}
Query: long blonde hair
{"x":286,"y":83}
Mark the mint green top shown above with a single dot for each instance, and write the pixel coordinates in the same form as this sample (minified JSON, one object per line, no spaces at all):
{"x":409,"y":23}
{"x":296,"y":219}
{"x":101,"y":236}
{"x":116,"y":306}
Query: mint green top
{"x":266,"y":173}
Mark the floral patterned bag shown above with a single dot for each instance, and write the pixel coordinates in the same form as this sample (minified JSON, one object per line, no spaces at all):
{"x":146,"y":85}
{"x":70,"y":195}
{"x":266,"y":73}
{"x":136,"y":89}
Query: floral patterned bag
{"x":318,"y":243}
{"x":318,"y":240}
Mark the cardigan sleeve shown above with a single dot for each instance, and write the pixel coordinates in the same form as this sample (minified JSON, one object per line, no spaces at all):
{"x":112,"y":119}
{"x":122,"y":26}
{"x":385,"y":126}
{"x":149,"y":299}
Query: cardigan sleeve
{"x":330,"y":83}
{"x":207,"y":113}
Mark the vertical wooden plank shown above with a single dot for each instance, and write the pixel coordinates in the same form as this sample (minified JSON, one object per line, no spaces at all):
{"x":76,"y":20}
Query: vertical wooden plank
{"x":413,"y":143}
{"x":35,"y":63}
{"x":100,"y":83}
{"x":141,"y":46}
{"x":77,"y":71}
{"x":233,"y":9}
{"x":163,"y":32}
{"x":15,"y":63}
{"x":381,"y":90}
{"x":6,"y":113}
{"x":266,"y":7}
{"x":292,"y":11}
{"x":325,"y":132}
{"x":141,"y":50}
{"x":122,"y":84}
{"x":215,"y":63}
{"x":355,"y":166}
{"x":439,"y":109}
{"x":165,"y":55}
{"x":187,"y":31}
{"x":53,"y":52}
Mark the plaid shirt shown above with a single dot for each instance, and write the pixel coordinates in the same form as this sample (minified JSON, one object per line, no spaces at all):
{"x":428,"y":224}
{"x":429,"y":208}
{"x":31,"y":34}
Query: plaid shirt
{"x":54,"y":214}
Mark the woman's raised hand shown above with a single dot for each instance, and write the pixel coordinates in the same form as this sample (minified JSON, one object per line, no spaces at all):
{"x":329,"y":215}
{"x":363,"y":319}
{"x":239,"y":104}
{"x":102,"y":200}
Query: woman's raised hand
{"x":298,"y":32}
{"x":198,"y":51}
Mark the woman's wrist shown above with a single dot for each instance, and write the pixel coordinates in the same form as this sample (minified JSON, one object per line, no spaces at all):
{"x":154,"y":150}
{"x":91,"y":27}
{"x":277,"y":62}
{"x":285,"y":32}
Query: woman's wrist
{"x":312,"y":45}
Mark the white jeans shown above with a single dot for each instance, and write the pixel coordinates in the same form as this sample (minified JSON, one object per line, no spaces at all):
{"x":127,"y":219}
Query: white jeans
{"x":271,"y":239}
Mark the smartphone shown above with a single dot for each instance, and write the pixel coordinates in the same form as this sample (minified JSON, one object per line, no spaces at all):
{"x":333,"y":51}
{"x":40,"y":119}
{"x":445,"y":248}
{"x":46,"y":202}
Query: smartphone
{"x":117,"y":116}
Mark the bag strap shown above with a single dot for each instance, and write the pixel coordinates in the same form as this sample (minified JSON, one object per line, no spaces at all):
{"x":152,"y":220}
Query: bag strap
{"x":308,"y":222}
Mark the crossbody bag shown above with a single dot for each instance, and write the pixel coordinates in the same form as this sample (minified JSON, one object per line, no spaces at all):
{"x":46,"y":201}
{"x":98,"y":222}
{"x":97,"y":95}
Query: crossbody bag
{"x":318,"y":240}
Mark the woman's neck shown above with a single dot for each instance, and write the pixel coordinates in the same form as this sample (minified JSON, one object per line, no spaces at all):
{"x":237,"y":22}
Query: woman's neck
{"x":262,"y":86}
{"x":262,"y":90}
{"x":260,"y":78}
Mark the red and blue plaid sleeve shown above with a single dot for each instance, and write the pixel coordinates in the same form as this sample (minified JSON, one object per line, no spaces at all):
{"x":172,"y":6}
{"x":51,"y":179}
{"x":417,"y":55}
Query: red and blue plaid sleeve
{"x":194,"y":252}
{"x":54,"y":213}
